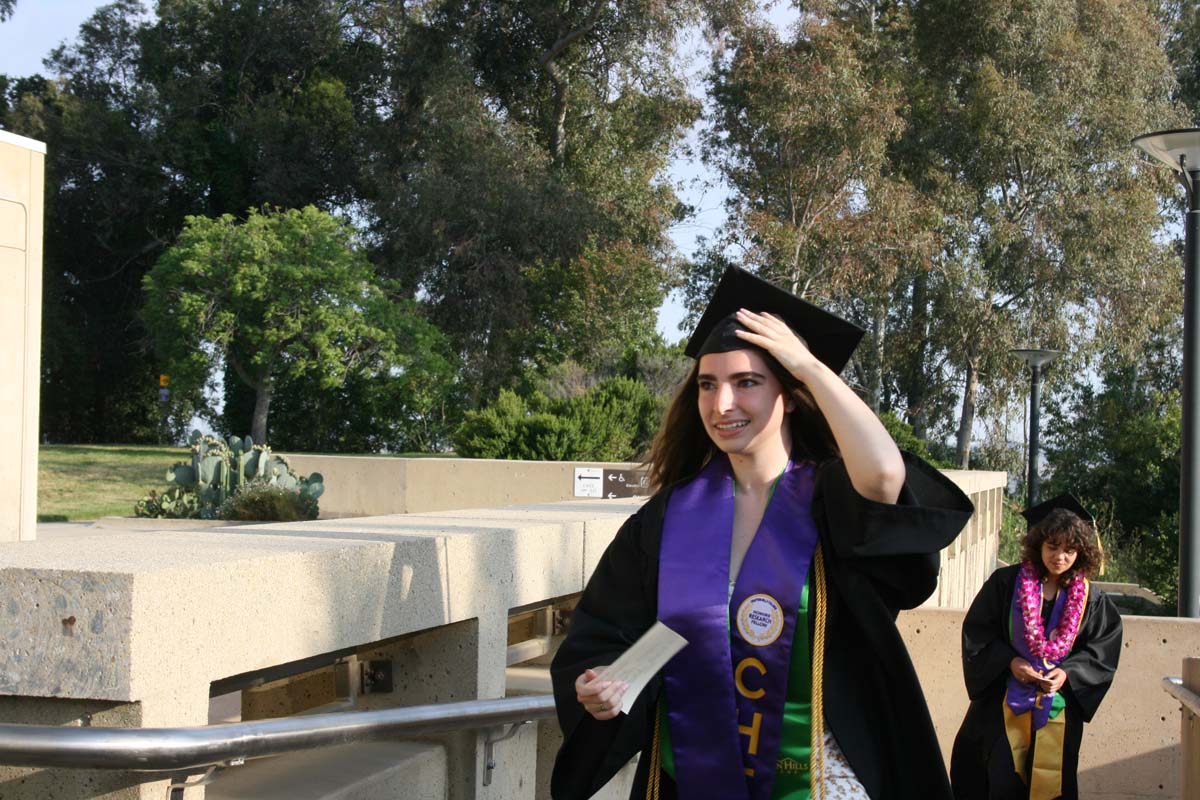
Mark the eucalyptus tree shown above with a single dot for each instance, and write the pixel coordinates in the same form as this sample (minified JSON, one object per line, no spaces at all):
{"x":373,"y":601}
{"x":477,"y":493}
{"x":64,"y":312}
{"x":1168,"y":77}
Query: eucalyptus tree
{"x":1182,"y":20}
{"x":801,"y":132}
{"x":1031,"y":109}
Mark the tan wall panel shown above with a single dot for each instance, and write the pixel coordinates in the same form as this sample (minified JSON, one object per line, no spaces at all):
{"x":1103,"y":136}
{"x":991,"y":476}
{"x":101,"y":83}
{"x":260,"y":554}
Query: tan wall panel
{"x":12,"y":326}
{"x":22,"y":169}
{"x":15,"y":180}
{"x":13,"y":225}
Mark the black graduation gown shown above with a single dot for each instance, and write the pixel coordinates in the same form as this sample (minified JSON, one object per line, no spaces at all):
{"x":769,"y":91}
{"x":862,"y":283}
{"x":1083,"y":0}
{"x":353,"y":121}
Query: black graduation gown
{"x":880,"y":558}
{"x":981,"y":764}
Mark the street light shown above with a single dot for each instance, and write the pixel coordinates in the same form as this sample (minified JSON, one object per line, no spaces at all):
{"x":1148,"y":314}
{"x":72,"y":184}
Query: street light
{"x":1036,"y":359}
{"x":1180,"y":150}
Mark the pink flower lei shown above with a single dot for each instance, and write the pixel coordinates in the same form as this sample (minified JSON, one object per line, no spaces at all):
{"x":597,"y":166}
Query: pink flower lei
{"x":1063,"y":636}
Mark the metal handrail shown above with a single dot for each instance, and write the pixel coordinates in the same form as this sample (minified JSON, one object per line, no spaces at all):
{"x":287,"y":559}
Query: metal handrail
{"x":179,"y":749}
{"x":1189,"y":699}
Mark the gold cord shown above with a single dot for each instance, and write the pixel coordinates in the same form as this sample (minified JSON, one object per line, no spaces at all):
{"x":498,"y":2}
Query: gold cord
{"x":817,"y":759}
{"x":655,"y":757}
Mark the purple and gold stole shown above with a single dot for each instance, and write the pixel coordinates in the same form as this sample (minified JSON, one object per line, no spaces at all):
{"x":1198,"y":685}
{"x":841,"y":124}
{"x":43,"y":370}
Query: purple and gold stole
{"x":725,"y":690}
{"x":1028,"y":710}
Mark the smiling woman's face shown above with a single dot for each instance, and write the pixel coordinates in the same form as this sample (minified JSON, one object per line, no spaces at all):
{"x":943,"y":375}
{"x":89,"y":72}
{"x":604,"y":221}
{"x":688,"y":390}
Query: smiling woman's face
{"x":740,"y":400}
{"x":1057,"y":557}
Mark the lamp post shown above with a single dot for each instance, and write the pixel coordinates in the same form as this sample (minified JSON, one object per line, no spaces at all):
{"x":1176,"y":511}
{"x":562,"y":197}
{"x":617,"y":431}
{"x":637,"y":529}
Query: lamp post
{"x":1180,"y":150}
{"x":1036,"y":359}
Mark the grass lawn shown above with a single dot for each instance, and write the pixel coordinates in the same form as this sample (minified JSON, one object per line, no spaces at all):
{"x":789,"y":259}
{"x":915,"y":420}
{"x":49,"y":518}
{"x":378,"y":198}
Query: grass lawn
{"x":92,"y":481}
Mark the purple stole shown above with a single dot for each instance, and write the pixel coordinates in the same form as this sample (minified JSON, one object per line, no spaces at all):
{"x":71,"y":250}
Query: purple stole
{"x":1025,"y":697}
{"x":725,"y":690}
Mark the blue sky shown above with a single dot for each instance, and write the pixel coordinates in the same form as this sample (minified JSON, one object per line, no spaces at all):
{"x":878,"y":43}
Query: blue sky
{"x":38,"y":26}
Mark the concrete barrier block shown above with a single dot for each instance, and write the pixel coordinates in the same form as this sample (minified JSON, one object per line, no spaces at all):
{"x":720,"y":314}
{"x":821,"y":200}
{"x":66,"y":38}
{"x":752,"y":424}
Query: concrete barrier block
{"x":65,"y":633}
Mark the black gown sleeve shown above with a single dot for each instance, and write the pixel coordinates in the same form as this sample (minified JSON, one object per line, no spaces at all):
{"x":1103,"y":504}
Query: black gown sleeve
{"x":1092,"y":662}
{"x":618,"y":605}
{"x":986,"y":651}
{"x":895,"y":545}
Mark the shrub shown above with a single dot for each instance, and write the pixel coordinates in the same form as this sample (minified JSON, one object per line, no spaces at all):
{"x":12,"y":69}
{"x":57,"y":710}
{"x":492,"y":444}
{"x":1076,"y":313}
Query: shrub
{"x":613,"y":421}
{"x":260,"y":501}
{"x":491,"y":432}
{"x":905,"y":439}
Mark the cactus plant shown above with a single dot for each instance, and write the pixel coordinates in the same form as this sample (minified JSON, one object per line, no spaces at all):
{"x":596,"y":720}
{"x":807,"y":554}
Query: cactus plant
{"x":218,"y":471}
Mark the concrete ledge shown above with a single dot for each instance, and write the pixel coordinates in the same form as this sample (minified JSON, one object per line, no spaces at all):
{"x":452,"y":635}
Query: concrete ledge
{"x":158,"y":611}
{"x":149,"y":524}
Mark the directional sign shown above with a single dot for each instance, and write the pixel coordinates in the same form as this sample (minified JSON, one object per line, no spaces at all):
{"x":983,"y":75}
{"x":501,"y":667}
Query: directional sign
{"x":589,"y":482}
{"x":611,"y":483}
{"x":626,"y":483}
{"x":164,"y":381}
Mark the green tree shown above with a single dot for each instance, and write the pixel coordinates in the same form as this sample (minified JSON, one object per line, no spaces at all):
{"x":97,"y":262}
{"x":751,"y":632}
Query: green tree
{"x":258,"y":102}
{"x":109,"y":209}
{"x":521,"y":195}
{"x":412,"y":406}
{"x":6,"y":9}
{"x":1182,"y":19}
{"x":283,"y":295}
{"x":205,"y":107}
{"x":1116,"y":446}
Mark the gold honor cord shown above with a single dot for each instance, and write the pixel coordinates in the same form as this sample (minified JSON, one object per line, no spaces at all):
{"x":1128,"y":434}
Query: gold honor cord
{"x":655,"y":760}
{"x":817,"y":760}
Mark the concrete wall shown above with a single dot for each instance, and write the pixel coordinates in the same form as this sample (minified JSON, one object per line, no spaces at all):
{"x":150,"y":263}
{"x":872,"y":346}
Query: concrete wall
{"x":22,"y":166}
{"x":1131,"y":750}
{"x":358,"y":486}
{"x":970,"y":558}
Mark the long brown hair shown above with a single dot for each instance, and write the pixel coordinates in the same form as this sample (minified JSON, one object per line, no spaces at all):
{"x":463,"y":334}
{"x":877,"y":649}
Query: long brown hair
{"x":682,"y":445}
{"x":1071,"y":531}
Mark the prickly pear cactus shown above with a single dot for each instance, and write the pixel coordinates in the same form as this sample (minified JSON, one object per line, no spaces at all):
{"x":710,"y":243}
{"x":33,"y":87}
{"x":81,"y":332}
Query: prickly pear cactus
{"x":219,"y":470}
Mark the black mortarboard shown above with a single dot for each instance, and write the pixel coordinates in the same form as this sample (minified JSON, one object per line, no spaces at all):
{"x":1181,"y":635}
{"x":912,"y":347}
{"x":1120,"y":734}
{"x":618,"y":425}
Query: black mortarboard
{"x":1038,"y":513}
{"x":830,"y":338}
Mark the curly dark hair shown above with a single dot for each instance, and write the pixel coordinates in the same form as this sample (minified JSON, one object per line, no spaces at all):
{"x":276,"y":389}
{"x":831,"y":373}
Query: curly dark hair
{"x":1065,"y":527}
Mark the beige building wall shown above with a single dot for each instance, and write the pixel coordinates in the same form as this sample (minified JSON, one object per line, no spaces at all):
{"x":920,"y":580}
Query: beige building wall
{"x":22,"y":171}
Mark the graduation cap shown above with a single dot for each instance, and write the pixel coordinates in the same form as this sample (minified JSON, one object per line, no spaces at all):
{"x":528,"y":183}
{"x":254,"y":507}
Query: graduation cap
{"x":830,"y":338}
{"x":1066,"y":500}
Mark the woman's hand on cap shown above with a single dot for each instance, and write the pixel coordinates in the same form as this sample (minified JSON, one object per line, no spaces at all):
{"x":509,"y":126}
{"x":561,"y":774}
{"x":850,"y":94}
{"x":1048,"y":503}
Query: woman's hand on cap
{"x":773,"y":335}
